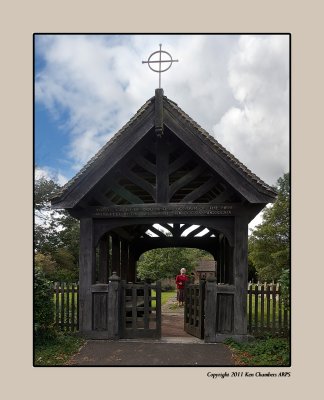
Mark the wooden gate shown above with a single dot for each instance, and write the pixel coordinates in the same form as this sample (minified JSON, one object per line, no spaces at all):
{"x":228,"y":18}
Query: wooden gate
{"x":194,"y":313}
{"x":140,"y":310}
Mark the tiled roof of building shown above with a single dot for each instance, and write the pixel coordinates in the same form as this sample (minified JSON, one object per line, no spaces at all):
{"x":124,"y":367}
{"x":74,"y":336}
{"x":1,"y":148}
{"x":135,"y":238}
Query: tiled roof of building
{"x":205,"y":266}
{"x":215,"y":145}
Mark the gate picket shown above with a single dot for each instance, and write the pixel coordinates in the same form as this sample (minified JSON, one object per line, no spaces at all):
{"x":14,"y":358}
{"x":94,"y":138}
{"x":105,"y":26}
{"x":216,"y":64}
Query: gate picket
{"x":144,"y":320}
{"x":194,"y":309}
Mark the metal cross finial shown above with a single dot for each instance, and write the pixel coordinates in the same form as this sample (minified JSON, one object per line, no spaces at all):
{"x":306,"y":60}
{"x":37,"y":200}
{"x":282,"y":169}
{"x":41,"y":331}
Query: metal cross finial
{"x":159,"y":61}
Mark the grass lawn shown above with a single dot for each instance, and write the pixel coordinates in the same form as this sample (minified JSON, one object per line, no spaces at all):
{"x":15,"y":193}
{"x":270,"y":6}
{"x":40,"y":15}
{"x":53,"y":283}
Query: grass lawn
{"x":165,"y":296}
{"x":267,"y":351}
{"x":57,"y":351}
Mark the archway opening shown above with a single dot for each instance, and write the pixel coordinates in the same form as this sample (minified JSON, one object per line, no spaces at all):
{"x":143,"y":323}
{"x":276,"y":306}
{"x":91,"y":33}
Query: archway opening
{"x":164,"y":264}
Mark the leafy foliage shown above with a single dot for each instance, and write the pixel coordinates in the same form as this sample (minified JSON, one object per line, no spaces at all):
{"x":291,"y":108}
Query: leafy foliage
{"x":269,"y":243}
{"x":268,"y":351}
{"x":56,"y":236}
{"x":166,"y":263}
{"x":284,"y":281}
{"x":43,"y":307}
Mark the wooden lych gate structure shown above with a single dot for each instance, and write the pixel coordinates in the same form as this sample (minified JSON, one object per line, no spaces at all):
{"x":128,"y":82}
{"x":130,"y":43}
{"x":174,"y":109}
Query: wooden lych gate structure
{"x":162,"y":168}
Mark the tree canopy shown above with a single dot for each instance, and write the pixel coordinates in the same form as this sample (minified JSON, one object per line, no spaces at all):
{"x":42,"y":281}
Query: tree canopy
{"x":166,"y":263}
{"x":269,"y":243}
{"x":56,"y":235}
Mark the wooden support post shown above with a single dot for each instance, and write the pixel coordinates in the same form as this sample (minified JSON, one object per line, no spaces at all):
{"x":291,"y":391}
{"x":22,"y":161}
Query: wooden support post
{"x":103,"y":259}
{"x":162,"y":167}
{"x":124,"y":259}
{"x":116,"y":254}
{"x":240,"y":275}
{"x":131,"y":272}
{"x":114,"y":307}
{"x":87,"y":264}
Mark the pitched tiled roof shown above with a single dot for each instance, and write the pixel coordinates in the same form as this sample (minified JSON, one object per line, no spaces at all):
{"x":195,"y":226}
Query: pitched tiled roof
{"x":216,"y":146}
{"x":221,"y":149}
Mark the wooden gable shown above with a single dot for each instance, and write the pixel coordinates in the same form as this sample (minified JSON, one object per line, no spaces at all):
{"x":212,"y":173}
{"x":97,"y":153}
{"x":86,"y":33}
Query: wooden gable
{"x":162,"y":156}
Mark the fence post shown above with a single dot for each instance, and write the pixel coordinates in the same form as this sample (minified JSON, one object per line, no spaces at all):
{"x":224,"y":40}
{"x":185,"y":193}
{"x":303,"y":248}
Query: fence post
{"x":113,"y":306}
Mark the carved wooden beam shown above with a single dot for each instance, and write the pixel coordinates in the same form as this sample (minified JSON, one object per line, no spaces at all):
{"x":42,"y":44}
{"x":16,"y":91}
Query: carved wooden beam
{"x":200,"y":191}
{"x":126,"y":194}
{"x":184,"y":180}
{"x":137,"y":180}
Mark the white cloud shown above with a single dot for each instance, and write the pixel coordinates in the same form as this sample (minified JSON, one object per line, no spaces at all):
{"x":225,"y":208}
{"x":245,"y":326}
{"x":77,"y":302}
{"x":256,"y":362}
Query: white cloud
{"x":257,"y":129}
{"x":50,"y":174}
{"x":235,"y":87}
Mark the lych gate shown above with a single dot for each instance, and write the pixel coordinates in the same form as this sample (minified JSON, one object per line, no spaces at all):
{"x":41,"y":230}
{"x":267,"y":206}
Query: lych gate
{"x":162,"y":168}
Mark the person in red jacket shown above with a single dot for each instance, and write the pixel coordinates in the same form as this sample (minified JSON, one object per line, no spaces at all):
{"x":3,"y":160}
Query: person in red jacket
{"x":180,"y":282}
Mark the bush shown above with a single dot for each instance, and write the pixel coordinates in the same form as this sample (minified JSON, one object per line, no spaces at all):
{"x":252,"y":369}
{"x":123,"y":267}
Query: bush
{"x":266,"y":351}
{"x":43,"y":307}
{"x":167,"y":288}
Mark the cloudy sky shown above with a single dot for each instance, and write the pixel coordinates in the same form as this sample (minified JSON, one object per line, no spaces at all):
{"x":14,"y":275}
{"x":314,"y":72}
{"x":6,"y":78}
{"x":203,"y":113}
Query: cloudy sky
{"x":88,"y":86}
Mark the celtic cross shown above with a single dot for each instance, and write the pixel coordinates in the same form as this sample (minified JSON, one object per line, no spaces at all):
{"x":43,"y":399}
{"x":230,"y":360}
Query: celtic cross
{"x":157,"y":59}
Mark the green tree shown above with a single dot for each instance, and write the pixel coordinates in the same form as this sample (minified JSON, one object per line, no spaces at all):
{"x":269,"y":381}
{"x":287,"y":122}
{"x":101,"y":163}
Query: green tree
{"x":43,"y":307}
{"x":46,"y":263}
{"x":166,"y":263}
{"x":269,"y":243}
{"x":56,"y":235}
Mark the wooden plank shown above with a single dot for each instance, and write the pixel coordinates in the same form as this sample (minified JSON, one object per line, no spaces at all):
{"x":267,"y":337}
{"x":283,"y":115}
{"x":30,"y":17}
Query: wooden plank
{"x":146,"y":164}
{"x":77,"y":306}
{"x":146,"y":306}
{"x":115,"y":254}
{"x":285,"y":320}
{"x":195,"y":305}
{"x":86,"y":274}
{"x":262,"y":309}
{"x":57,"y":304}
{"x":102,"y":199}
{"x":137,"y":180}
{"x":134,"y":307}
{"x":268,"y":306}
{"x":156,"y":231}
{"x":67,"y":306}
{"x":279,"y":309}
{"x":179,"y":162}
{"x":62,"y":306}
{"x":158,"y":112}
{"x":184,"y":180}
{"x":210,"y":312}
{"x":123,"y":308}
{"x":124,"y":259}
{"x":221,"y":197}
{"x":250,"y":290}
{"x":274,"y":308}
{"x":195,"y":231}
{"x":158,"y":309}
{"x":126,"y":194}
{"x":73,"y":308}
{"x":256,"y":308}
{"x":240,"y":275}
{"x":103,"y":259}
{"x":224,"y":312}
{"x":200,"y":191}
{"x":162,"y":174}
